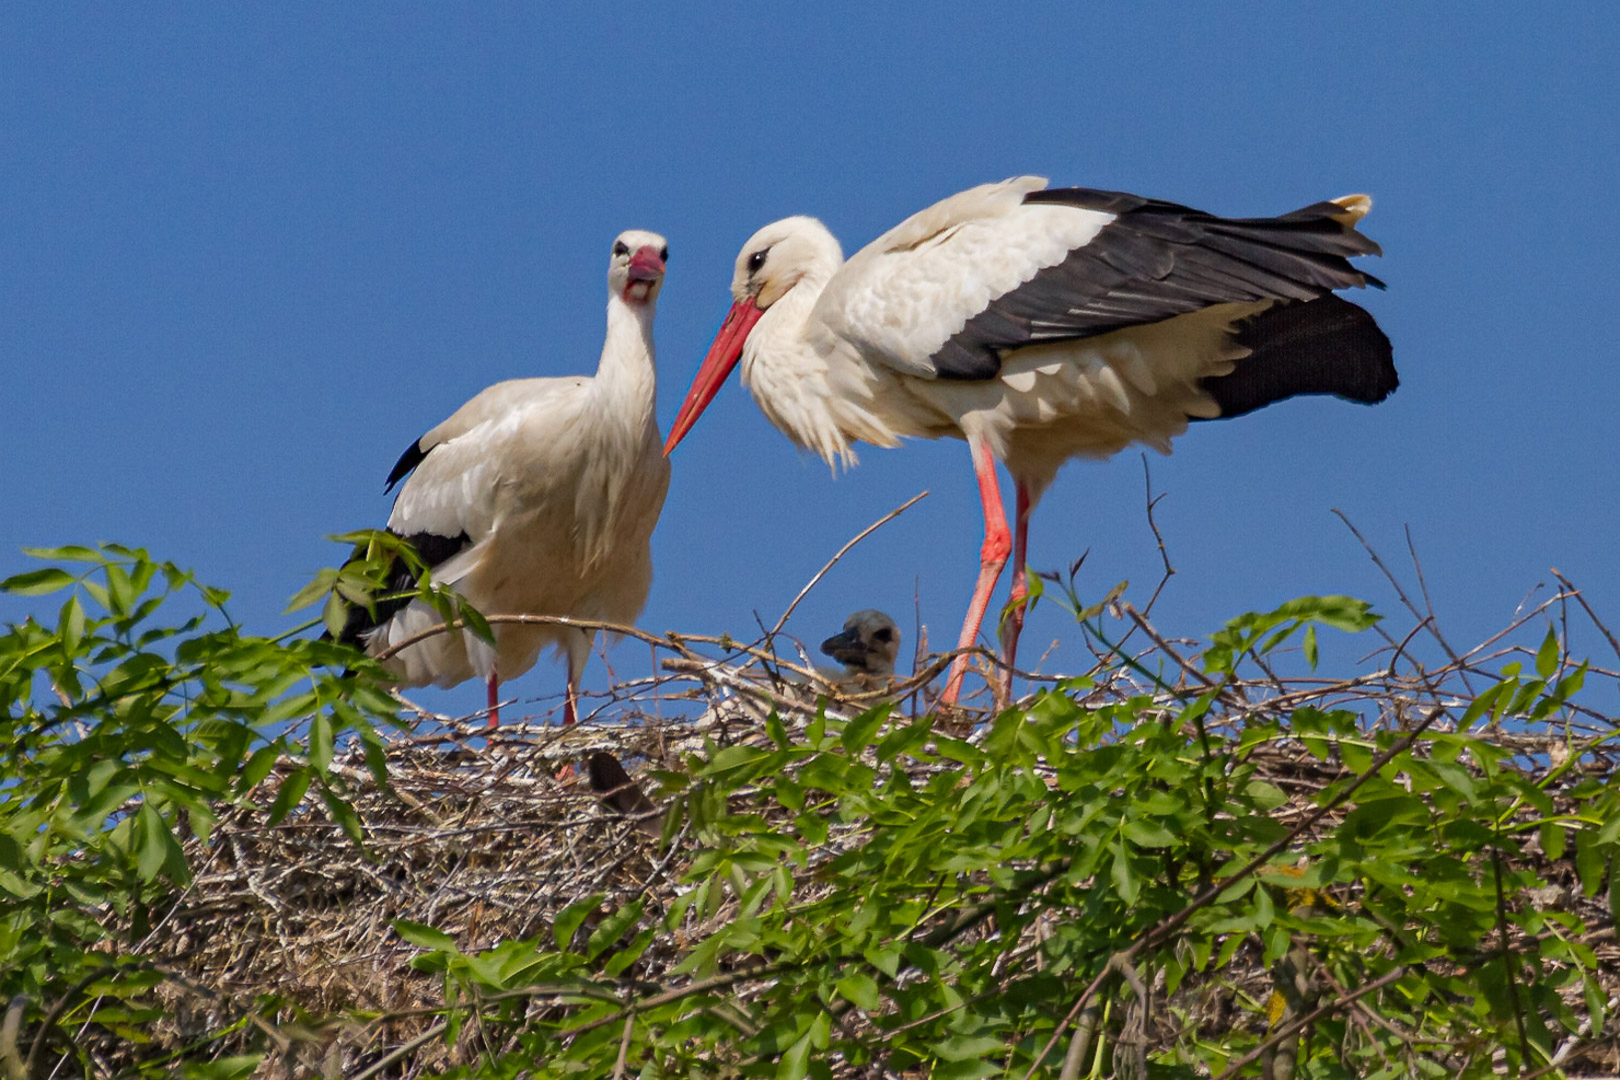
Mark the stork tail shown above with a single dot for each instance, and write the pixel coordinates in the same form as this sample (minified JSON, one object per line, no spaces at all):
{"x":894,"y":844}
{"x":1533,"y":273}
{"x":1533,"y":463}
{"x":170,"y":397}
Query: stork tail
{"x":1323,"y":346}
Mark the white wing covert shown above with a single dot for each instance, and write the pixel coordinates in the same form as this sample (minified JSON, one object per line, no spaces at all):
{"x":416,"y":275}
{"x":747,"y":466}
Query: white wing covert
{"x":901,"y":298}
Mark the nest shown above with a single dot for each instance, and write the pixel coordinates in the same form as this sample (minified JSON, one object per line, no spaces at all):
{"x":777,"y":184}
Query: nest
{"x":475,"y":835}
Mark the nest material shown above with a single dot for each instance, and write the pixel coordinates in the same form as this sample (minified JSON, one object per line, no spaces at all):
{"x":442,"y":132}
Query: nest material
{"x":478,"y":838}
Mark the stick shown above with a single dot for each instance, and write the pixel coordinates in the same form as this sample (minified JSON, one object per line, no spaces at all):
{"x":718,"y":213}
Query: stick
{"x":1289,"y":1029}
{"x":1614,"y":642}
{"x":862,"y":535}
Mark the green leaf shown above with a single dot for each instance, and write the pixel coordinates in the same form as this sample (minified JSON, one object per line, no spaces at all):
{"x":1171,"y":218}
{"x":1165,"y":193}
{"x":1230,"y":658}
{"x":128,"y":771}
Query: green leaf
{"x":38,"y":582}
{"x":1125,"y":883}
{"x":227,"y":1068}
{"x":612,"y":928}
{"x":476,"y":623}
{"x":861,"y":990}
{"x":1149,"y":834}
{"x":1547,"y":655}
{"x":796,"y":1061}
{"x":859,"y":731}
{"x":967,"y":1047}
{"x":152,"y":850}
{"x":257,"y":768}
{"x":334,"y":615}
{"x":342,"y":814}
{"x":1609,"y":832}
{"x":69,"y":553}
{"x":320,"y":742}
{"x":628,"y":955}
{"x":424,"y":936}
{"x":776,"y":730}
{"x":289,"y":796}
{"x":70,"y":625}
{"x":1454,"y":777}
{"x":570,"y":918}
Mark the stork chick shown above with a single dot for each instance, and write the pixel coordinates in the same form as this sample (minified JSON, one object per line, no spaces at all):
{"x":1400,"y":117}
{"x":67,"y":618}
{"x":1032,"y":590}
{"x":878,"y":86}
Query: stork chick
{"x":867,"y":646}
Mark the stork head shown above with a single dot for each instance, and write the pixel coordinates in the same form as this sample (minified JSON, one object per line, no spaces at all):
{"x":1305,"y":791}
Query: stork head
{"x":637,"y":267}
{"x":781,"y":255}
{"x":777,"y":258}
{"x":868,"y":645}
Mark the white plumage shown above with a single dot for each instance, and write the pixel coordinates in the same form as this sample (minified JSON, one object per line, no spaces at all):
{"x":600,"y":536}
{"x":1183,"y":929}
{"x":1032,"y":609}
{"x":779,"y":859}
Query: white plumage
{"x":539,"y":497}
{"x":1042,"y":325}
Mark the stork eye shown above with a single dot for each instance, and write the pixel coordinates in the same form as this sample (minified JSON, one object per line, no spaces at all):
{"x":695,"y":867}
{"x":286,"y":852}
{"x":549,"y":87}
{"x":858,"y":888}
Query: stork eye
{"x":757,"y":260}
{"x":619,"y":248}
{"x":663,"y":253}
{"x":884,"y":635}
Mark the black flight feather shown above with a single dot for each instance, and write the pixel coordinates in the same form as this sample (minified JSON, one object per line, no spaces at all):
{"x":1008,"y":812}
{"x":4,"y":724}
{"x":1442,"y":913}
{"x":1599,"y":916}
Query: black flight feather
{"x":1154,"y":261}
{"x":408,"y":461}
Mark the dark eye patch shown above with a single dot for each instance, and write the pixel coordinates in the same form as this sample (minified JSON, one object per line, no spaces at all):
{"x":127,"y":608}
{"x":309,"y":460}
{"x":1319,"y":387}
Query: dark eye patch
{"x":619,"y":248}
{"x":757,"y":260}
{"x":663,"y":253}
{"x":884,"y":635}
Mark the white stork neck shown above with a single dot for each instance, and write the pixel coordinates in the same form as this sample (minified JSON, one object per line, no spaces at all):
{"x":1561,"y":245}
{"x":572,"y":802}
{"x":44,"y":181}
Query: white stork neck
{"x":626,"y":375}
{"x":787,"y":366}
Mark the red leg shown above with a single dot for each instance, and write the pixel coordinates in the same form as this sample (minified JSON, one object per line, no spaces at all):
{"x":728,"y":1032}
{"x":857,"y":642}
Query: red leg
{"x":992,"y":557}
{"x":570,"y":716}
{"x":1020,"y":584}
{"x":494,"y":684}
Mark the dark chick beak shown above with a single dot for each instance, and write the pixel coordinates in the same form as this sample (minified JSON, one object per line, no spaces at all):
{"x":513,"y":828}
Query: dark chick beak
{"x":846,"y":648}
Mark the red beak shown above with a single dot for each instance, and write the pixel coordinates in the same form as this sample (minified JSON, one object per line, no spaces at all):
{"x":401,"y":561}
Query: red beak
{"x":645,"y":265}
{"x":723,"y":356}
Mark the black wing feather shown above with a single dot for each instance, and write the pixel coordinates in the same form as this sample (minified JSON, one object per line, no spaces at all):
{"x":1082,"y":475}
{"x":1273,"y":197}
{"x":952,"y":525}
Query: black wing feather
{"x":407,"y":463}
{"x":1155,"y":261}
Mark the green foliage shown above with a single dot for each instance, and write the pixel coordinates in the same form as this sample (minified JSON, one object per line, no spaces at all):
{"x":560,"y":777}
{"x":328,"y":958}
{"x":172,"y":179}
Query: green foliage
{"x":1142,"y":850}
{"x":126,"y":729}
{"x":876,"y":894}
{"x":382,"y":567}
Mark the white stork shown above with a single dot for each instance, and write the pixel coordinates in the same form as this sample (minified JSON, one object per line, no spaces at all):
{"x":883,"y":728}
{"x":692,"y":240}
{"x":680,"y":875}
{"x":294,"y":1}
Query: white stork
{"x":537,"y":497}
{"x":1041,"y":324}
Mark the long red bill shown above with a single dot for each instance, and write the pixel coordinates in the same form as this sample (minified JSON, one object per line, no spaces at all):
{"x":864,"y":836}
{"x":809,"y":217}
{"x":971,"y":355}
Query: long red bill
{"x":723,"y":356}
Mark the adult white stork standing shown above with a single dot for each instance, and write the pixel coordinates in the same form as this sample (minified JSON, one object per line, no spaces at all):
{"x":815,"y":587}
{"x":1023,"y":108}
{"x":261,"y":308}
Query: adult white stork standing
{"x":1040,"y":325}
{"x":537,"y":497}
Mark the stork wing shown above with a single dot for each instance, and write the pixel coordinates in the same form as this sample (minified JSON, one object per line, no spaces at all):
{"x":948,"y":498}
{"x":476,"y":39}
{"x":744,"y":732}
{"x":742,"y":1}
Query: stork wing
{"x":448,"y":505}
{"x":454,"y":469}
{"x":947,"y":294}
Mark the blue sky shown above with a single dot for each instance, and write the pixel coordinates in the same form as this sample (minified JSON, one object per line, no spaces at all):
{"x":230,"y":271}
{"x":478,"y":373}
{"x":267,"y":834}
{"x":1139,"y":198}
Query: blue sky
{"x":247,"y":256}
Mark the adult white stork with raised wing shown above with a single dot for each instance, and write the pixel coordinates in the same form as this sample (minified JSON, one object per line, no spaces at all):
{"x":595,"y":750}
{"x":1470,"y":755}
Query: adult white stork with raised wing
{"x":537,"y":497}
{"x":1042,"y":324}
